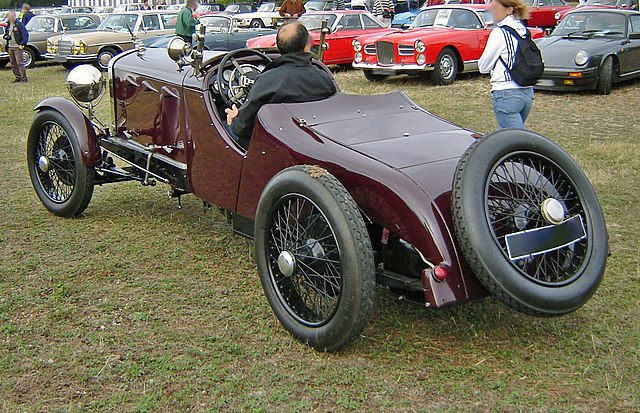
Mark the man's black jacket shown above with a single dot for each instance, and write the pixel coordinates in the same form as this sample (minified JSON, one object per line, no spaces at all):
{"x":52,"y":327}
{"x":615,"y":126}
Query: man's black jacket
{"x":291,"y":78}
{"x":18,"y":32}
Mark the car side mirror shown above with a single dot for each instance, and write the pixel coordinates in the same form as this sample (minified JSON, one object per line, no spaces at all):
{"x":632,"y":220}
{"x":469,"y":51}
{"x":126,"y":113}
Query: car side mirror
{"x":634,"y":36}
{"x":340,"y":27}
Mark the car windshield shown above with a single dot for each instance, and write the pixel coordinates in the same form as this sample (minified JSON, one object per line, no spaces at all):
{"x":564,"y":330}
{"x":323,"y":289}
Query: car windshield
{"x":119,"y":22}
{"x":267,"y":7}
{"x":232,"y":8}
{"x":601,"y":2}
{"x":314,"y":21}
{"x":216,"y":23}
{"x":591,"y":24}
{"x":41,"y":24}
{"x":314,"y":5}
{"x":458,"y":18}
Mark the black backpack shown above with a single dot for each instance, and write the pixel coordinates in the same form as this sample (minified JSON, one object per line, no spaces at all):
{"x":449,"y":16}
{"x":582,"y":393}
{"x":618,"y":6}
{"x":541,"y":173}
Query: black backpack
{"x":528,"y":65}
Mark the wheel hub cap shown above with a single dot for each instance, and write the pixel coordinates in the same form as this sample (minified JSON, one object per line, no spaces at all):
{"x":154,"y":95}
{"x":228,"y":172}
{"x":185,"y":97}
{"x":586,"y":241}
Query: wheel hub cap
{"x":286,"y":263}
{"x":43,"y":163}
{"x":552,"y":211}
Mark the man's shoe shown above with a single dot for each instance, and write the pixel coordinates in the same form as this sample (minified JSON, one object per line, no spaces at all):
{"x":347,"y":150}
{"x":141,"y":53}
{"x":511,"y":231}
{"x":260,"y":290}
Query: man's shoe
{"x":17,"y":81}
{"x":25,"y":80}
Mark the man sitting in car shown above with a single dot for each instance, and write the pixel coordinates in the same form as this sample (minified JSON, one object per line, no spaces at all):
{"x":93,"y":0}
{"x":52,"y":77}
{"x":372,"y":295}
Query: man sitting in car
{"x":291,"y":78}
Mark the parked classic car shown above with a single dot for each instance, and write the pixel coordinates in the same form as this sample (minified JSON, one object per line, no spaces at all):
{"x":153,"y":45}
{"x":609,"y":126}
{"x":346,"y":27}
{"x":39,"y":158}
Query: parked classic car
{"x":210,"y":8}
{"x":44,"y":26}
{"x":221,"y":34}
{"x":344,"y":25}
{"x":337,"y":194}
{"x":542,"y":13}
{"x":319,"y":5}
{"x":442,"y":41}
{"x":266,"y":16}
{"x":601,"y":4}
{"x":113,"y":36}
{"x":239,"y":8}
{"x":590,"y":50}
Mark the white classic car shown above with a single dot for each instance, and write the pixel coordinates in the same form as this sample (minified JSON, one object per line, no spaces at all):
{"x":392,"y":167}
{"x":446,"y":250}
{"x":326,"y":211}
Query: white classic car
{"x":266,"y":16}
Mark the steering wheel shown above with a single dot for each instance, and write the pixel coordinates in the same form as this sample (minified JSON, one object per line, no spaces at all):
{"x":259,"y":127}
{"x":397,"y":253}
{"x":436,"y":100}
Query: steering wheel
{"x":235,"y":88}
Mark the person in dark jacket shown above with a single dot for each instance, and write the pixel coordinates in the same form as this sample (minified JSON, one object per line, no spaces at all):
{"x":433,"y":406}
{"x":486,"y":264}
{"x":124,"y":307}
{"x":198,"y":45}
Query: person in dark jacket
{"x":17,"y":38}
{"x":27,"y":14}
{"x":291,"y":78}
{"x":187,"y":21}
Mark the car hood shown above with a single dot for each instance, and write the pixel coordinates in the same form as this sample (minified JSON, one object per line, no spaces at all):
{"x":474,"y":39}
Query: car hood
{"x":560,"y":52}
{"x":410,"y":36}
{"x":255,"y":15}
{"x":268,"y":40}
{"x":96,"y":37}
{"x":38,"y":36}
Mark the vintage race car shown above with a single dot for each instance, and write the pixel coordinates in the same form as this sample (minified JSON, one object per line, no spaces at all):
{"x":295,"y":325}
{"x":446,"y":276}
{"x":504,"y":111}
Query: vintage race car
{"x":337,"y":194}
{"x":591,"y":49}
{"x":344,"y":26}
{"x":442,"y":42}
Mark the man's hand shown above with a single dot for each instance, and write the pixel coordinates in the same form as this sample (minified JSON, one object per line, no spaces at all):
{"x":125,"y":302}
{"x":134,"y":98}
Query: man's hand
{"x":196,"y":16}
{"x":231,"y":114}
{"x":287,"y":15}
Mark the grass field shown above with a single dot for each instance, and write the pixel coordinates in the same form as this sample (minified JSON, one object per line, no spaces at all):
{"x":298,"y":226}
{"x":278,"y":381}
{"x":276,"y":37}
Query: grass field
{"x":139,"y":306}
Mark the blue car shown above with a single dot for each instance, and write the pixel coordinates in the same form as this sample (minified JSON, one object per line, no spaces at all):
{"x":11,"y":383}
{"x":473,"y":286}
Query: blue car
{"x":404,"y":19}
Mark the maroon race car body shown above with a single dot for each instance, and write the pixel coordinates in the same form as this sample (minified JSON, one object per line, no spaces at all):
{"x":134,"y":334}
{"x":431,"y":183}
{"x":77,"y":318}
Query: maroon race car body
{"x":378,"y":171}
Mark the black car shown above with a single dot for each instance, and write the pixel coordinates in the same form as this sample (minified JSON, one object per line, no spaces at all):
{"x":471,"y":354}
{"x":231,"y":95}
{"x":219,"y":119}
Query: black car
{"x":221,"y":34}
{"x":590,"y":50}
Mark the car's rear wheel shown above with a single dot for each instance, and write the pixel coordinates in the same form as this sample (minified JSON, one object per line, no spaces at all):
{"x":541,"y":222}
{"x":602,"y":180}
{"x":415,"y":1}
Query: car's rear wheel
{"x":61,"y":180}
{"x":529,"y":223}
{"x":3,"y":62}
{"x":314,"y":257}
{"x":373,"y":77}
{"x":104,"y":57}
{"x":605,"y":77}
{"x":446,"y":67}
{"x":257,"y":23}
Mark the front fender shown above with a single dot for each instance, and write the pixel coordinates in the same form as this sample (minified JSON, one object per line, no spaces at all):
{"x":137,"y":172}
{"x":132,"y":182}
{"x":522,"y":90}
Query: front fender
{"x":80,"y":124}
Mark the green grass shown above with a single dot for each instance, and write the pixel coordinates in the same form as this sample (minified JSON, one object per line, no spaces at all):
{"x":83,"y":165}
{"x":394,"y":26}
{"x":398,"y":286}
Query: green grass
{"x":138,"y":306}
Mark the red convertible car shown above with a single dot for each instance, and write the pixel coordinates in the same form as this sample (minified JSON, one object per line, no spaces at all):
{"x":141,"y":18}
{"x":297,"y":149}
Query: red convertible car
{"x":344,"y":26}
{"x":337,"y":194}
{"x":600,"y":4}
{"x":442,"y":41}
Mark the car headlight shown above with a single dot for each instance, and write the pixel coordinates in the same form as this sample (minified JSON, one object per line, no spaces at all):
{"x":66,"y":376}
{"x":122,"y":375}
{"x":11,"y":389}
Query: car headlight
{"x":582,"y":58}
{"x":358,"y":57}
{"x":356,"y":45}
{"x":79,"y":47}
{"x":420,"y":59}
{"x":419,"y":46}
{"x":557,"y":16}
{"x":411,"y":18}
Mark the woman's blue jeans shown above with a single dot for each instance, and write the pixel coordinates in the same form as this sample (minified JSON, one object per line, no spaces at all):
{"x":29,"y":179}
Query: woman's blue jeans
{"x":512,"y":106}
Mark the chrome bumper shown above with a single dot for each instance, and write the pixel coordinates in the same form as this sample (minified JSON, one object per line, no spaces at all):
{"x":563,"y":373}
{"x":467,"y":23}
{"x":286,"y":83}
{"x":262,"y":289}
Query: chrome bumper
{"x":70,"y":58}
{"x":391,"y":69}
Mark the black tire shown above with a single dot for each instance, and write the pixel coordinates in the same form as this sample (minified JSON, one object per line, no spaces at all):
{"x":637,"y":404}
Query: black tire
{"x":372,"y":77}
{"x":104,"y":57}
{"x":30,"y":57}
{"x":3,"y":63}
{"x":68,"y":66}
{"x":341,"y":277}
{"x":257,"y":24}
{"x":446,"y":67}
{"x":61,"y":181}
{"x":605,"y":77}
{"x":488,"y":203}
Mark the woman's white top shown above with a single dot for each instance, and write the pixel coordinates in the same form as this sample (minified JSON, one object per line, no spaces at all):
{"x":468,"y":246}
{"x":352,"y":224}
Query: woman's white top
{"x":501,"y":44}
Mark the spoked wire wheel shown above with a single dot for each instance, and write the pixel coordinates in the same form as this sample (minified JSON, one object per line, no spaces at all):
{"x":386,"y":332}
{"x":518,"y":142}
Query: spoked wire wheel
{"x":537,"y":217}
{"x":314,"y":257}
{"x":55,"y":162}
{"x":529,"y":223}
{"x":58,"y":175}
{"x":304,"y":259}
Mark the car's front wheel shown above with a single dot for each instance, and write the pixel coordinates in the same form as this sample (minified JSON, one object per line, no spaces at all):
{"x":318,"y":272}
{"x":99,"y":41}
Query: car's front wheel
{"x":257,"y":23}
{"x":605,"y":77}
{"x":314,"y":257}
{"x":61,"y":180}
{"x":29,"y":57}
{"x":446,"y":68}
{"x":104,"y":57}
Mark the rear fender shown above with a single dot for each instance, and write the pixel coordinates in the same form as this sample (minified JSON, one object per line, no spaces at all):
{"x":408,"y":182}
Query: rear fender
{"x":80,"y":124}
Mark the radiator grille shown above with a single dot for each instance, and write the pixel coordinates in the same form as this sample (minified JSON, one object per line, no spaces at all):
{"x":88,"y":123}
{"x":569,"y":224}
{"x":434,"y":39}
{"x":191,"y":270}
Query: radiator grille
{"x":385,"y":53}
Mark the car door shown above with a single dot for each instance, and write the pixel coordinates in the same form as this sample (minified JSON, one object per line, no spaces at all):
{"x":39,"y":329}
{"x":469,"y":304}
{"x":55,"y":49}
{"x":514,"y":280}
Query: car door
{"x":340,"y":50}
{"x":467,"y":35}
{"x":630,"y":59}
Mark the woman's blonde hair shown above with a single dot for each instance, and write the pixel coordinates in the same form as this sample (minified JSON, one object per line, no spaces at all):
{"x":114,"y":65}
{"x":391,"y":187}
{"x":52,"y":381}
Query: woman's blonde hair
{"x":520,"y":9}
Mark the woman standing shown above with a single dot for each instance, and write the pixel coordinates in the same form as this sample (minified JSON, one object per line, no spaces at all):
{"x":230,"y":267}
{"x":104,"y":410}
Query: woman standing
{"x":511,"y":102}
